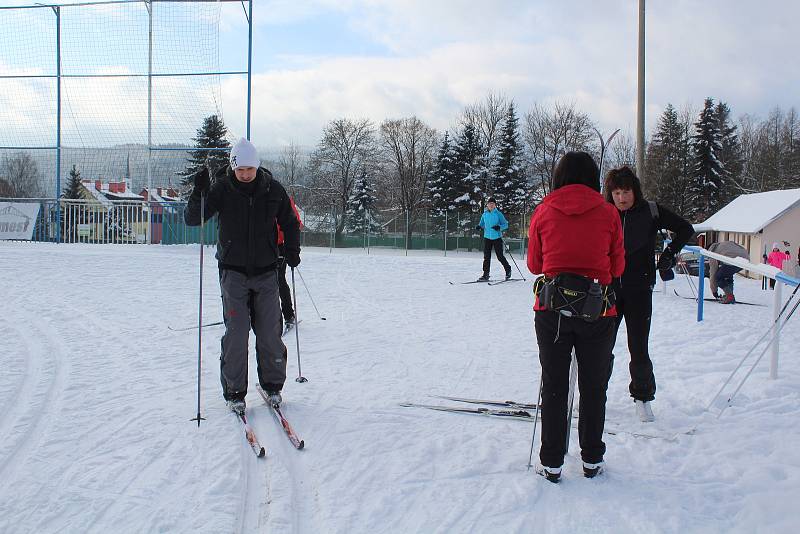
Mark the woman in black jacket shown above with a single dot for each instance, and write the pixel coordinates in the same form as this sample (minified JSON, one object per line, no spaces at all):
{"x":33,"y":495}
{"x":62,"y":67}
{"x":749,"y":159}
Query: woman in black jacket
{"x":641,"y":221}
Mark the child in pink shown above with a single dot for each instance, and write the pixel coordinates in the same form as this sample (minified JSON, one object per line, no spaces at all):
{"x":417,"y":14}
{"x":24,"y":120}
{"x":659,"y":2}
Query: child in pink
{"x":776,"y":258}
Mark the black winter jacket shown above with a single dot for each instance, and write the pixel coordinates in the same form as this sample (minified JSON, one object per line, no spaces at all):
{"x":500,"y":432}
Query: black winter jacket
{"x":247,"y":232}
{"x":639,"y":231}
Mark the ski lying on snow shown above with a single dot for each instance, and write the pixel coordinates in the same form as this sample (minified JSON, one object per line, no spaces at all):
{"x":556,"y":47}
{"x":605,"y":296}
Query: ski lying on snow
{"x":525,"y":415}
{"x":298,"y":443}
{"x":250,"y":435}
{"x":193,"y":327}
{"x":473,"y":282}
{"x":718,"y":302}
{"x":289,"y":327}
{"x":493,"y":283}
{"x":505,"y":404}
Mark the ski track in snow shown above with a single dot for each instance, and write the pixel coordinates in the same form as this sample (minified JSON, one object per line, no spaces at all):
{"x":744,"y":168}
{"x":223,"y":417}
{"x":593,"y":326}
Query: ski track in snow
{"x":97,"y":395}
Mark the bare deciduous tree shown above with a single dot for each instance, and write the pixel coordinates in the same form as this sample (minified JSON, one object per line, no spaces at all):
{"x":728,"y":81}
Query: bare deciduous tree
{"x":407,"y":157}
{"x":346,"y":149}
{"x":21,"y":173}
{"x":549,"y":133}
{"x":292,"y":164}
{"x":487,"y":118}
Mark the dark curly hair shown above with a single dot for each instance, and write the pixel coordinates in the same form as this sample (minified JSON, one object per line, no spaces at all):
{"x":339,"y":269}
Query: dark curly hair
{"x":623,"y":178}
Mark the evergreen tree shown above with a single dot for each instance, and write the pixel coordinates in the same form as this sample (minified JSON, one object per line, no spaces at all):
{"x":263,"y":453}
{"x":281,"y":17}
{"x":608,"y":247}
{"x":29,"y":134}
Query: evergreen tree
{"x":441,"y":184}
{"x":707,"y":181}
{"x":360,"y":206}
{"x":210,"y":135}
{"x":729,"y":155}
{"x":73,"y":189}
{"x":510,"y":187}
{"x":468,"y":193}
{"x":668,"y":163}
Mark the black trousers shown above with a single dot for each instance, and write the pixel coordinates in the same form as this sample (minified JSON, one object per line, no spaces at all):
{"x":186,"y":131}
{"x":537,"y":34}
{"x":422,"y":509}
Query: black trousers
{"x":283,"y":288}
{"x":635,"y":306}
{"x":556,"y":336}
{"x":497,"y":246}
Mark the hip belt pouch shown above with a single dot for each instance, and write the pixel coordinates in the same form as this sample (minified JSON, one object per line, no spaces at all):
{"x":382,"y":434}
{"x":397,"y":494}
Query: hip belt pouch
{"x":574,"y":295}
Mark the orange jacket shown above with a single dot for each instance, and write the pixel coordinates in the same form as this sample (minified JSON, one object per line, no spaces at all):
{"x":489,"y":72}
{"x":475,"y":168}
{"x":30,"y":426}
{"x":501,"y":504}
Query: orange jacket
{"x":296,"y":214}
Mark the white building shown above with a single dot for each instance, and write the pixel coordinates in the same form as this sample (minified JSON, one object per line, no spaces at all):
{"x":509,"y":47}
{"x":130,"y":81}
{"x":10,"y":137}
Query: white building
{"x":757,"y":221}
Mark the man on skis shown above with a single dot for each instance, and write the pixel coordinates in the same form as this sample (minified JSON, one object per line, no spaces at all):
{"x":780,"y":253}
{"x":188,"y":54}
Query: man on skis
{"x":248,"y":202}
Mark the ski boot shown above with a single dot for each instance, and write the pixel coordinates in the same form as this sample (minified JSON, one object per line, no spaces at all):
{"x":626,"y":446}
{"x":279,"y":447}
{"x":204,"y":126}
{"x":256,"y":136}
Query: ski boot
{"x":552,"y":474}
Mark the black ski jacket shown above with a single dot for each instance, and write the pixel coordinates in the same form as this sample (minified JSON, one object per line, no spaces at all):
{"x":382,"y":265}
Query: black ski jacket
{"x":639,"y":230}
{"x":247,"y":233}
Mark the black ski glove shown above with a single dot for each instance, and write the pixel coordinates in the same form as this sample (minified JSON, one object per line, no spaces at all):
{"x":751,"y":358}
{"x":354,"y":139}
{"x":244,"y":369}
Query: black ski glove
{"x":292,"y":259}
{"x":667,"y":260}
{"x":479,"y":228}
{"x":201,"y":182}
{"x":496,"y":227}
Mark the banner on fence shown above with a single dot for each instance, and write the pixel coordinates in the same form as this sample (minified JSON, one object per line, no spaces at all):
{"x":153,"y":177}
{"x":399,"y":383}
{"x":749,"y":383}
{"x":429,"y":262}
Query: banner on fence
{"x":17,"y":220}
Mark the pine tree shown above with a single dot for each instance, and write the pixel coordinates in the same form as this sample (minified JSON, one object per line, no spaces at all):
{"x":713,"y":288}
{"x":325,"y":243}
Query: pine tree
{"x":360,"y":206}
{"x":729,"y":155}
{"x":707,"y":180}
{"x":210,"y":135}
{"x":510,"y":187}
{"x":468,"y":193}
{"x":441,"y":183}
{"x":73,"y":189}
{"x":667,"y":162}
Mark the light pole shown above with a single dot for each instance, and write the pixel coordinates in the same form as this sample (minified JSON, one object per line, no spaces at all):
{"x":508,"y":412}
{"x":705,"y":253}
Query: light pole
{"x":640,"y":100}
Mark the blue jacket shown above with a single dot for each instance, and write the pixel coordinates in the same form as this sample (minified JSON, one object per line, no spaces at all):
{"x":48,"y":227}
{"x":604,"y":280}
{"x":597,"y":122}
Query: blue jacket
{"x":493,"y":218}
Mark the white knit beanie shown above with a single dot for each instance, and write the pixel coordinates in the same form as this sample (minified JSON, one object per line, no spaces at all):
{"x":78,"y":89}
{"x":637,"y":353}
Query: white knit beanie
{"x":244,"y":154}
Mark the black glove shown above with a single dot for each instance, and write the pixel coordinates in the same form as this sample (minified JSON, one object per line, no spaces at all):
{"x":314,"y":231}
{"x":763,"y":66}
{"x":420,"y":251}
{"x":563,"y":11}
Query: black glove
{"x":201,"y":181}
{"x":292,"y":259}
{"x":479,"y":228}
{"x":496,"y":227}
{"x":666,"y":261}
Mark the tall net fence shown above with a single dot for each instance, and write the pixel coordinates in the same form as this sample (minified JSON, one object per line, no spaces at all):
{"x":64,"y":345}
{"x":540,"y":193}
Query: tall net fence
{"x":115,"y":91}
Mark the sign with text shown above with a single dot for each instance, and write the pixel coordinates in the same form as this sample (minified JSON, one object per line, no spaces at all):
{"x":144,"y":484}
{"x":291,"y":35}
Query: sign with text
{"x":17,"y":220}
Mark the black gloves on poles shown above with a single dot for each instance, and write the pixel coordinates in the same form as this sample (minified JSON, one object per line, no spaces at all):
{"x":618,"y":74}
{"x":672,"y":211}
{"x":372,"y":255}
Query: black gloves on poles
{"x":201,"y":181}
{"x":496,"y":227}
{"x":292,"y":259}
{"x":667,"y":260}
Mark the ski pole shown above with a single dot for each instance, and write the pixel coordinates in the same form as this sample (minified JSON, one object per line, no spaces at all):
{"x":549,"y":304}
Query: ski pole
{"x":764,"y":335}
{"x":573,"y":377}
{"x":309,"y":294}
{"x":752,"y":367}
{"x":508,"y":249}
{"x":300,"y":378}
{"x":535,"y":420}
{"x":200,"y":310}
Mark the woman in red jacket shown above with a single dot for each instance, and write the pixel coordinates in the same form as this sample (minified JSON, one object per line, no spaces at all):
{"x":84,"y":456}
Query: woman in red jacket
{"x":576,"y":243}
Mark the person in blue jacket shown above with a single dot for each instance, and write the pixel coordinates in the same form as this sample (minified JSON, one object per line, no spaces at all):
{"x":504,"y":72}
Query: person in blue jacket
{"x":493,"y":223}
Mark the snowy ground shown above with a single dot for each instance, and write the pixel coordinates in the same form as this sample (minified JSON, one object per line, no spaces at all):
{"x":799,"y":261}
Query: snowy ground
{"x":96,"y":396}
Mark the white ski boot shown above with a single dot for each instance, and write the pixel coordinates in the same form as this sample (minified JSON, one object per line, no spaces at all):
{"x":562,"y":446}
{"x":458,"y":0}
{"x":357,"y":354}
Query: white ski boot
{"x":644,"y":411}
{"x":237,"y":406}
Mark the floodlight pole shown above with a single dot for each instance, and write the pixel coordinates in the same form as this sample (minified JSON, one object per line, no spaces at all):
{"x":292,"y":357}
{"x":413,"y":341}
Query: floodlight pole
{"x":57,"y":11}
{"x":640,"y":100}
{"x":249,"y":61}
{"x":149,"y":210}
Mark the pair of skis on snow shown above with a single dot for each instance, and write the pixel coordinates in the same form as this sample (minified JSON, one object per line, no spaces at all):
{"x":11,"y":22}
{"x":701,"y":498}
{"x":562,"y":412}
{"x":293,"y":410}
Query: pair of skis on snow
{"x":521,"y":411}
{"x":250,"y":434}
{"x":489,"y":282}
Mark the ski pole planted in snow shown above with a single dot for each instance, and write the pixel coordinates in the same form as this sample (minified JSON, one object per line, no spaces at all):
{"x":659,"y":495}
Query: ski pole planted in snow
{"x":300,"y":378}
{"x":309,"y":294}
{"x":535,"y":420}
{"x":511,"y":255}
{"x":198,"y":418}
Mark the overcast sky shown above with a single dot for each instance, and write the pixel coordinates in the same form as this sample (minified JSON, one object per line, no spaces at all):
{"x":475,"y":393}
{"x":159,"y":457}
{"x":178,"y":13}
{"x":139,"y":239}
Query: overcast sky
{"x":316,"y":60}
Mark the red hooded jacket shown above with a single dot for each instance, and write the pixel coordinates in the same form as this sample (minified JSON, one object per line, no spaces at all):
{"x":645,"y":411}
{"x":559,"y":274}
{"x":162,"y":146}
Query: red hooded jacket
{"x":296,"y":214}
{"x":575,"y":230}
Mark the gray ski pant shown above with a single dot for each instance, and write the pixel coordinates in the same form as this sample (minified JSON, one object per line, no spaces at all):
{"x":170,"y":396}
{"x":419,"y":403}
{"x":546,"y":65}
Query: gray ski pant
{"x":251,"y":302}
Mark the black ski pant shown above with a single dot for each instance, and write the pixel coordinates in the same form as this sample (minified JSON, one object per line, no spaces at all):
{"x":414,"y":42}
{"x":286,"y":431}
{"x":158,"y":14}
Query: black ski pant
{"x":557,"y":336}
{"x":251,"y":302}
{"x":635,"y":306}
{"x":283,"y":287}
{"x":497,"y":246}
{"x":724,"y":277}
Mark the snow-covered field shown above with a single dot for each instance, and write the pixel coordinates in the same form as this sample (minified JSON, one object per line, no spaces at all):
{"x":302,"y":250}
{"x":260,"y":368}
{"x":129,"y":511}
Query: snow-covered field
{"x":96,"y":396}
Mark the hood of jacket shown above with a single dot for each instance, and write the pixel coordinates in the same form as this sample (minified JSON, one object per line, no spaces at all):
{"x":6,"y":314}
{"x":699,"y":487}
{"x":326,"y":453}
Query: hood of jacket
{"x":574,"y":199}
